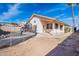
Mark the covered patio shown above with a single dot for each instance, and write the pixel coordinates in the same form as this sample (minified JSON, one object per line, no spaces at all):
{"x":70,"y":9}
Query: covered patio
{"x":52,"y":26}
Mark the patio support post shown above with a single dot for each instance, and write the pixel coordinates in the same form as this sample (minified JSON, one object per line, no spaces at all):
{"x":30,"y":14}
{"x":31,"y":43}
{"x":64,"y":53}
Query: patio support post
{"x":58,"y":26}
{"x":58,"y":31}
{"x":63,"y":29}
{"x":53,"y":26}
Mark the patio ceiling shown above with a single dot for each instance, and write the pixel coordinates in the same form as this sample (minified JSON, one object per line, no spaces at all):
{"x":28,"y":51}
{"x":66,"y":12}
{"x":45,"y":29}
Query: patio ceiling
{"x":47,"y":21}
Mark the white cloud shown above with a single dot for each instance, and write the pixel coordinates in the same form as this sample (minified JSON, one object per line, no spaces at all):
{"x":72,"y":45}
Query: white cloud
{"x":53,"y":10}
{"x":64,"y":8}
{"x":38,"y":11}
{"x":21,"y":20}
{"x":70,"y":21}
{"x":12,"y":11}
{"x":59,"y":15}
{"x":70,"y":18}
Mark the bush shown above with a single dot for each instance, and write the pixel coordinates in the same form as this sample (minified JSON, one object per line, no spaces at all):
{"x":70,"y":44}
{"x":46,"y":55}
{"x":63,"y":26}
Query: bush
{"x":3,"y":32}
{"x":67,"y":29}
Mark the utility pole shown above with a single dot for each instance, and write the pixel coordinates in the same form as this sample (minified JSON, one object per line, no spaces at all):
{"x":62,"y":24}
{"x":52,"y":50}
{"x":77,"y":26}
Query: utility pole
{"x":73,"y":17}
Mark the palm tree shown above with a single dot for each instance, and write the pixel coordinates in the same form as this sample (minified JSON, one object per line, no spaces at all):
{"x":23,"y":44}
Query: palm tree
{"x":73,"y":17}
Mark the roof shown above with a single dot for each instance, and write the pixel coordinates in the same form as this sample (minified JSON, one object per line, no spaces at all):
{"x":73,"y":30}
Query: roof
{"x":11,"y":24}
{"x":37,"y":15}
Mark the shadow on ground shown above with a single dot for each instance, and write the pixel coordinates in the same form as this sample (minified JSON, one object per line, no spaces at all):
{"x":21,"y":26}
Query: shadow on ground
{"x":69,"y":47}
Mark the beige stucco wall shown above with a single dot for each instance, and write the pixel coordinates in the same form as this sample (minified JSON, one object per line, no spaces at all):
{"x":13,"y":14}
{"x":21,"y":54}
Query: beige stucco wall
{"x":40,"y":22}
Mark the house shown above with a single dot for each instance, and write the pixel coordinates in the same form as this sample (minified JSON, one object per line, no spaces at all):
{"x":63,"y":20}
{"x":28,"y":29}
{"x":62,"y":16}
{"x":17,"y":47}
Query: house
{"x":22,"y":24}
{"x":10,"y":27}
{"x":46,"y":24}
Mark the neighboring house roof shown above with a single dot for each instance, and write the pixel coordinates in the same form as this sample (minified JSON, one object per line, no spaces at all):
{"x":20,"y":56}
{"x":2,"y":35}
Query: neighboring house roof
{"x":11,"y":24}
{"x":46,"y":18}
{"x":14,"y":24}
{"x":10,"y":27}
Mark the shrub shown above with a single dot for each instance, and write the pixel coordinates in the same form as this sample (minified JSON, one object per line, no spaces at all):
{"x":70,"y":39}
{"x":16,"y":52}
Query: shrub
{"x":67,"y":29}
{"x":3,"y":32}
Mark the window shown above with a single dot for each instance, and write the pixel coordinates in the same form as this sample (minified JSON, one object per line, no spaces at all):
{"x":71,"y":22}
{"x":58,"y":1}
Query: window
{"x":56,"y":26}
{"x":61,"y":27}
{"x":34,"y":21}
{"x":49,"y":26}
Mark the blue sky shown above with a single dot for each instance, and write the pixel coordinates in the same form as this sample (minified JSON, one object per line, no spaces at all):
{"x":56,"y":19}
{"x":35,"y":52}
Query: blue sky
{"x":11,"y":12}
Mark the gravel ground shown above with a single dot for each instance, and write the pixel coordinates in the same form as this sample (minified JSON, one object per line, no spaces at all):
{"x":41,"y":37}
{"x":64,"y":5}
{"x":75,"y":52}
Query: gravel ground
{"x":39,"y":45}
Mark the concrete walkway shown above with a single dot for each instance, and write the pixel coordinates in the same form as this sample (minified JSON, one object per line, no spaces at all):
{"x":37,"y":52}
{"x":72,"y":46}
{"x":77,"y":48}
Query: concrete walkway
{"x":39,"y":45}
{"x":69,"y":47}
